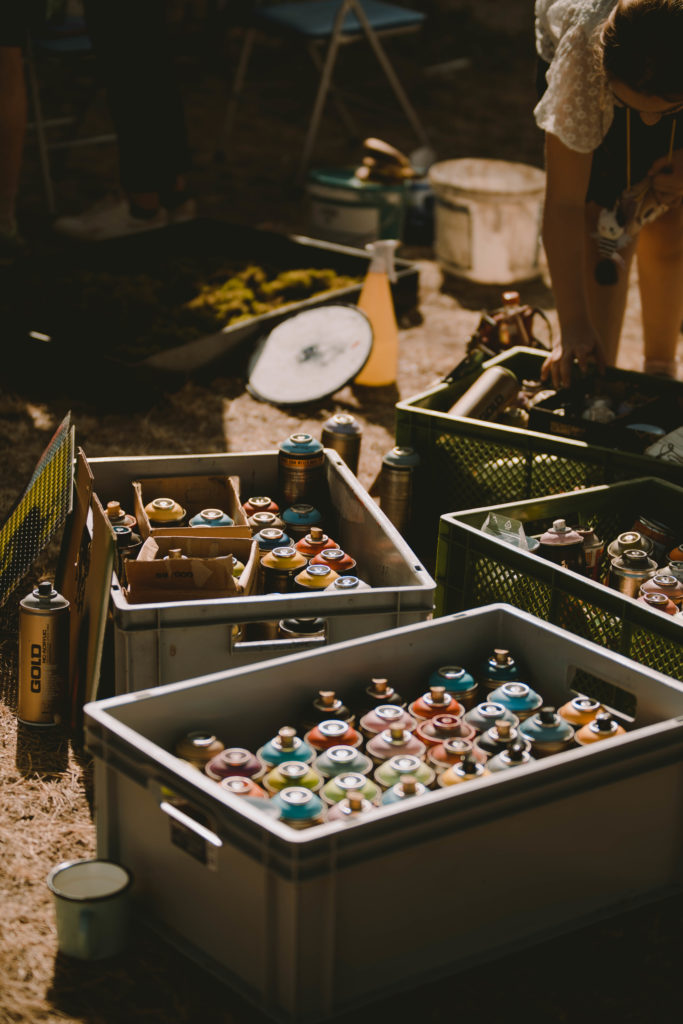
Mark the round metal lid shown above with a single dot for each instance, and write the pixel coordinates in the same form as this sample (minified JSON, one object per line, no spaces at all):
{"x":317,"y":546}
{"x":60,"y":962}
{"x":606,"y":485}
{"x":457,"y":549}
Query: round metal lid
{"x":310,"y":355}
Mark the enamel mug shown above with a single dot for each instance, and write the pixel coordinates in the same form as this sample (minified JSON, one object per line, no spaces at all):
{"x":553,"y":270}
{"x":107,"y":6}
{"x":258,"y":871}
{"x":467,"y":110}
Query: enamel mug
{"x":91,"y":901}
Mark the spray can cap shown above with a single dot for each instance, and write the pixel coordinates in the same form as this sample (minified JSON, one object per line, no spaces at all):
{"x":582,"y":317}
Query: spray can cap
{"x":286,"y":735}
{"x":382,"y":251}
{"x":355,"y":800}
{"x":603,"y":723}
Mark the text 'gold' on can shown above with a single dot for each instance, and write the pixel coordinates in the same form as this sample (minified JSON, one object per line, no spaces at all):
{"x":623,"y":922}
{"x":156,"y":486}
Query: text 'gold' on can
{"x":43,"y":656}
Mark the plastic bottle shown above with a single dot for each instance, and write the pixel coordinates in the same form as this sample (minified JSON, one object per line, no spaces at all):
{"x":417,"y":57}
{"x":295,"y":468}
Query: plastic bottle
{"x":377,"y":303}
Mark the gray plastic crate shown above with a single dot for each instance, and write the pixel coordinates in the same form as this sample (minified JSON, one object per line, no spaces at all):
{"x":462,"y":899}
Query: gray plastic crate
{"x":308,"y":924}
{"x":167,"y":641}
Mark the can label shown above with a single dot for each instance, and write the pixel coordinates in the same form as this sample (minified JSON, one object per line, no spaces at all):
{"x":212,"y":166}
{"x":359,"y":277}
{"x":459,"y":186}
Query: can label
{"x":43,"y":666}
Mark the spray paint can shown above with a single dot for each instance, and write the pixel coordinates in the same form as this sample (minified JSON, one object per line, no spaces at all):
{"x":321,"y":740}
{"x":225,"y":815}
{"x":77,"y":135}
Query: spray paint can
{"x":128,"y":546}
{"x":351,"y":807}
{"x":336,"y":559}
{"x":467,"y":770}
{"x":379,"y":692}
{"x":330,"y":733}
{"x":279,"y":568}
{"x":500,"y":668}
{"x":348,"y":585}
{"x":286,"y":746}
{"x":516,"y":755}
{"x":385,"y":716}
{"x":396,"y":485}
{"x":301,"y":469}
{"x":43,"y":656}
{"x":299,"y":807}
{"x":299,"y":519}
{"x":117,"y":516}
{"x":458,"y":682}
{"x":631,"y":540}
{"x":628,"y":572}
{"x":343,"y":433}
{"x":562,"y":545}
{"x":315,"y":541}
{"x":433,"y":731}
{"x":675,"y":568}
{"x":212,"y":517}
{"x":391,"y":742}
{"x":547,"y":732}
{"x":238,"y":785}
{"x":404,"y":790}
{"x":292,"y":773}
{"x":498,"y":738}
{"x":593,"y":549}
{"x":339,"y":787}
{"x":300,"y":629}
{"x":452,"y":751}
{"x":658,"y":603}
{"x":662,"y":536}
{"x":518,"y":698}
{"x":259,"y":503}
{"x":164,"y":512}
{"x":396,"y":768}
{"x":437,"y":701}
{"x":486,"y":714}
{"x":265,"y":521}
{"x":664,"y":583}
{"x":342,"y":759}
{"x":198,"y":748}
{"x":491,"y":392}
{"x":233,"y":761}
{"x":328,"y":705}
{"x":603,"y":727}
{"x":314,"y":577}
{"x":580,"y":711}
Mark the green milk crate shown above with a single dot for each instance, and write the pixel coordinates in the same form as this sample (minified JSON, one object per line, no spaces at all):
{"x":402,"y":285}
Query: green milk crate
{"x":467,"y":463}
{"x":475,"y":569}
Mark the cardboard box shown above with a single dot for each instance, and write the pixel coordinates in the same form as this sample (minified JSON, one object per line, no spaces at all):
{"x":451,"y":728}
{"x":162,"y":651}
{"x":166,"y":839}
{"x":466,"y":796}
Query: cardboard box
{"x":194,"y":493}
{"x":205,"y":572}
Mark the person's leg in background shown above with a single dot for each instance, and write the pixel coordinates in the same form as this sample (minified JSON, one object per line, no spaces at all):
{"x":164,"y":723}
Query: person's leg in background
{"x":13,"y":29}
{"x":135,"y":62}
{"x":660,"y":280}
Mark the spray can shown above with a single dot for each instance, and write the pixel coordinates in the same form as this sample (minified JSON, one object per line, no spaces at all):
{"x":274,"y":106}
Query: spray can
{"x":299,"y":807}
{"x":328,"y":705}
{"x":547,"y":732}
{"x":631,"y":540}
{"x":391,"y":742}
{"x":593,"y":549}
{"x":164,"y":512}
{"x":452,"y":751}
{"x":339,"y":787}
{"x":458,"y":682}
{"x":231,"y":762}
{"x":301,"y":469}
{"x":396,"y":485}
{"x":259,"y":503}
{"x":501,"y":667}
{"x":467,"y":770}
{"x":376,"y":302}
{"x":314,"y":577}
{"x":437,"y":701}
{"x":43,"y":656}
{"x":298,"y":519}
{"x":518,"y":698}
{"x":342,"y":759}
{"x":489,"y":395}
{"x":664,"y":583}
{"x":404,"y":790}
{"x":286,"y":746}
{"x":343,"y":433}
{"x":279,"y":567}
{"x":348,"y":585}
{"x":198,"y":747}
{"x":330,"y":733}
{"x":336,"y":559}
{"x":351,"y":807}
{"x":384,"y":717}
{"x":396,"y":768}
{"x":662,"y":536}
{"x":516,"y":755}
{"x":603,"y":727}
{"x":117,"y":516}
{"x":292,"y":773}
{"x":128,"y":546}
{"x":379,"y":692}
{"x":675,"y":568}
{"x":658,"y":602}
{"x":212,"y":517}
{"x":433,"y":731}
{"x":580,"y":711}
{"x":498,"y":738}
{"x":238,"y":785}
{"x":562,"y":545}
{"x":314,"y":542}
{"x":628,"y":572}
{"x":484,"y":715}
{"x":300,"y":629}
{"x":265,"y":521}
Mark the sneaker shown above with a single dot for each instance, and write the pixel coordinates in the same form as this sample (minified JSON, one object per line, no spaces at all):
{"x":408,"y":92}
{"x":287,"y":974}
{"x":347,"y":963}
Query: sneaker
{"x":108,"y":220}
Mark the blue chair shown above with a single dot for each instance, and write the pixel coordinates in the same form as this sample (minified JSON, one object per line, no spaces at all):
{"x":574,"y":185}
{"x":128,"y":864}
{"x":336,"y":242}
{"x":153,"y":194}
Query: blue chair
{"x":335,"y":22}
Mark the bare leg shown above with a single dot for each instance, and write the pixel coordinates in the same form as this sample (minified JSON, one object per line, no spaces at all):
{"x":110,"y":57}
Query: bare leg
{"x":12,"y":131}
{"x":660,"y":279}
{"x":606,"y":302}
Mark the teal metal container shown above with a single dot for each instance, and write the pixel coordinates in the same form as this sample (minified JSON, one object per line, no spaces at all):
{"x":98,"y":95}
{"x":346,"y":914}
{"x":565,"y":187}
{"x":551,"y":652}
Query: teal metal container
{"x":344,"y":209}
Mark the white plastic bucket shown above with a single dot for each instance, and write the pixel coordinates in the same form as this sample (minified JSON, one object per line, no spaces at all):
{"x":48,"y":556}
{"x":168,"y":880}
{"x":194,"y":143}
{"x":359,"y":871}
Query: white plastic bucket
{"x":487,"y":224}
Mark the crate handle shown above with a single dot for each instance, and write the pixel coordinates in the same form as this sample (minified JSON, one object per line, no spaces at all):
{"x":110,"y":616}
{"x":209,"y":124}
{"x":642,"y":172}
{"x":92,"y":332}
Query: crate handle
{"x":187,"y":822}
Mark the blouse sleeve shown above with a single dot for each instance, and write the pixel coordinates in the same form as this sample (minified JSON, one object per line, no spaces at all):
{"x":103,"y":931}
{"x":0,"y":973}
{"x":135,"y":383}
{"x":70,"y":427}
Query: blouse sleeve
{"x":576,"y":107}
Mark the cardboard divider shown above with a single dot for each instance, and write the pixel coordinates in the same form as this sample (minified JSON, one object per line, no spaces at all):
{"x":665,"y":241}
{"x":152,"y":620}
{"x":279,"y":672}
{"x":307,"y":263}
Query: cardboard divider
{"x":204,"y":573}
{"x":194,"y":493}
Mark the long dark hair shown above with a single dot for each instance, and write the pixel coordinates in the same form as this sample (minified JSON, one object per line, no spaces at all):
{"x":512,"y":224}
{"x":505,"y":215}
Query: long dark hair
{"x":642,"y":46}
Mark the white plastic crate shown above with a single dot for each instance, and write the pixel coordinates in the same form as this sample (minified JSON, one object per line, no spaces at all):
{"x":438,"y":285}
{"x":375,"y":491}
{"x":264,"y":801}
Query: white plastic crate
{"x":168,"y":641}
{"x":510,"y":859}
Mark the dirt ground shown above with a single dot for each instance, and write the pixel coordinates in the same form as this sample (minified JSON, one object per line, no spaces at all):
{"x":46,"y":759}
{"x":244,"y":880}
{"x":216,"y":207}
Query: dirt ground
{"x":479,"y":107}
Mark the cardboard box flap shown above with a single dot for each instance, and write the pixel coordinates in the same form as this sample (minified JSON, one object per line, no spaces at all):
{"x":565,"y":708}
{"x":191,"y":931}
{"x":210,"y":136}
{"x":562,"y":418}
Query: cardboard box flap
{"x":194,"y":493}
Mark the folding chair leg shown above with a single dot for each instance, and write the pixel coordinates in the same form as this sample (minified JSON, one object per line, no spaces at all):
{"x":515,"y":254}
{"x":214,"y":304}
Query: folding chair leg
{"x":39,"y":126}
{"x":342,"y":110}
{"x":398,"y":89}
{"x":238,"y":85}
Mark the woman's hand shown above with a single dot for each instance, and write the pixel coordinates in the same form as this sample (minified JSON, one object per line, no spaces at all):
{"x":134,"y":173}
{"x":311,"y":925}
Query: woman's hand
{"x":576,"y":344}
{"x":667,"y":178}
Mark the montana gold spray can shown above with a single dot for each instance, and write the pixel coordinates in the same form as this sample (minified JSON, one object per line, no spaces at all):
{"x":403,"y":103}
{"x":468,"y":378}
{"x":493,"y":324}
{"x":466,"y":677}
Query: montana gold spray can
{"x":396,"y":485}
{"x":43,"y":656}
{"x":342,"y":432}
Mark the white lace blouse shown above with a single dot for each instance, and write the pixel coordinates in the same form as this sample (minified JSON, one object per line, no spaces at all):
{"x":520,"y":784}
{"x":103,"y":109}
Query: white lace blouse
{"x":577,"y":106}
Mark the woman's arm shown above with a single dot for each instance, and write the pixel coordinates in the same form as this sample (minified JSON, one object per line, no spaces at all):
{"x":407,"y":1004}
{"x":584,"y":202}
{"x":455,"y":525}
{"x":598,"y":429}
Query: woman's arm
{"x":564,"y":229}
